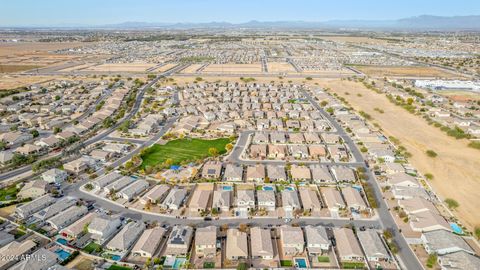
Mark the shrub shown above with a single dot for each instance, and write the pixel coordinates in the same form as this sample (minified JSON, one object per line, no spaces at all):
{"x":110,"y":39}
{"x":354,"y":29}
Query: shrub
{"x":451,"y":203}
{"x":431,"y":153}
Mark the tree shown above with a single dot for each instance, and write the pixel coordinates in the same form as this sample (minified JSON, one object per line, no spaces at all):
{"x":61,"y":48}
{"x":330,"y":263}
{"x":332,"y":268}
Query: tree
{"x":477,"y":232}
{"x":57,"y":130}
{"x":35,"y":133}
{"x":451,"y":203}
{"x":212,"y":151}
{"x":3,"y":145}
{"x":229,"y":147}
{"x":431,"y":153}
{"x":323,"y":103}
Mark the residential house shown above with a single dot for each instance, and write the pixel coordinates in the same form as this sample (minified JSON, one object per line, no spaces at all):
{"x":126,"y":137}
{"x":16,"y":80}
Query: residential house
{"x":26,"y":210}
{"x":55,"y":176}
{"x":174,"y":199}
{"x":155,"y":195}
{"x":309,"y":198}
{"x":276,"y":173}
{"x":233,"y":173}
{"x":348,"y":249}
{"x":33,"y":189}
{"x":353,"y":199}
{"x":266,"y":199}
{"x":458,"y":260}
{"x":255,"y":173}
{"x":103,"y":228}
{"x":148,"y":242}
{"x":333,"y":199}
{"x":277,"y":151}
{"x":443,"y":242}
{"x":200,"y":200}
{"x":124,"y":240}
{"x":320,"y":174}
{"x":317,"y":239}
{"x":245,"y":200}
{"x":212,"y":170}
{"x":15,"y":250}
{"x":54,"y":209}
{"x":206,"y":242}
{"x":300,"y":173}
{"x":373,"y":246}
{"x":261,"y":246}
{"x":222,"y":200}
{"x":41,"y":259}
{"x":76,"y":229}
{"x":178,"y":242}
{"x":343,"y":173}
{"x":237,"y":245}
{"x":299,"y":151}
{"x":317,"y":152}
{"x":292,"y":241}
{"x":133,"y":190}
{"x":67,"y":217}
{"x":290,"y":200}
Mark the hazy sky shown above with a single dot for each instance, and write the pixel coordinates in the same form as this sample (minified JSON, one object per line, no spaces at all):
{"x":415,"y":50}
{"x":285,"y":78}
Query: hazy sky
{"x":94,"y":12}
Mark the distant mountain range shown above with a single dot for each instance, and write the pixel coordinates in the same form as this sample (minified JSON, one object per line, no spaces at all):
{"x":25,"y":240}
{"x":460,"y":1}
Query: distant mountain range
{"x":419,"y":23}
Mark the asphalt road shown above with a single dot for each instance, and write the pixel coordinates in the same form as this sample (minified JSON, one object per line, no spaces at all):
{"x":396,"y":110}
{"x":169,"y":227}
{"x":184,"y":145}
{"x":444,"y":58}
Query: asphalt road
{"x":407,"y":257}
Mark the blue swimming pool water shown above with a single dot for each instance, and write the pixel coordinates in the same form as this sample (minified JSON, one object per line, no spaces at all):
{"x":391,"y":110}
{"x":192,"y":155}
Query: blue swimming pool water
{"x":62,"y":241}
{"x":116,"y":257}
{"x":228,"y":188}
{"x":359,"y":188}
{"x":300,"y":263}
{"x":267,"y":188}
{"x":178,"y":263}
{"x":290,"y":188}
{"x":456,"y":229}
{"x":62,"y":254}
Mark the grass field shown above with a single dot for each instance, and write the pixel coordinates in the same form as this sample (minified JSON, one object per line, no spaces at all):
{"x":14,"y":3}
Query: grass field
{"x":286,"y":263}
{"x":90,"y":248}
{"x":9,"y":193}
{"x":118,"y":267}
{"x":182,"y":150}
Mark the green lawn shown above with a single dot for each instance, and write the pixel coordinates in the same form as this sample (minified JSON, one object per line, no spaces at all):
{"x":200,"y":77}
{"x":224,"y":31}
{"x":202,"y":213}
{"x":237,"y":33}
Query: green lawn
{"x":353,"y":265}
{"x":182,"y":150}
{"x":323,"y":259}
{"x":118,"y":267}
{"x":90,"y":248}
{"x":8,"y":193}
{"x":208,"y":265}
{"x":286,"y":263}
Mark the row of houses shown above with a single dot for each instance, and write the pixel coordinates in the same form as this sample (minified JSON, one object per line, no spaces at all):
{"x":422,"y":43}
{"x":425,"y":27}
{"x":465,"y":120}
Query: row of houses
{"x":260,"y":173}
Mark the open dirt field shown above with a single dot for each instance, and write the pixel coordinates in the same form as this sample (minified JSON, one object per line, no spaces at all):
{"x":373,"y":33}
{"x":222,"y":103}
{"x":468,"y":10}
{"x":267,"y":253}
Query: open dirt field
{"x":165,"y":67}
{"x":233,"y":68}
{"x":123,"y":67}
{"x":9,"y":81}
{"x":400,"y":71}
{"x":365,"y":40}
{"x":16,"y":68}
{"x":280,"y":67}
{"x":460,"y":95}
{"x":29,"y":47}
{"x":192,"y":68}
{"x":456,"y":169}
{"x":326,"y":72}
{"x":78,"y":67}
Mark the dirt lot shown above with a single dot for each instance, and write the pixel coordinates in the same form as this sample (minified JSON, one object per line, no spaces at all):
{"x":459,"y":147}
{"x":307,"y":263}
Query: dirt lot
{"x":233,"y":68}
{"x":192,"y":68}
{"x":16,"y":68}
{"x":164,"y":67}
{"x":280,"y":67}
{"x":456,"y":168}
{"x":123,"y":67}
{"x":400,"y":71}
{"x":29,"y":47}
{"x":9,"y":81}
{"x":364,"y":40}
{"x":326,"y":72}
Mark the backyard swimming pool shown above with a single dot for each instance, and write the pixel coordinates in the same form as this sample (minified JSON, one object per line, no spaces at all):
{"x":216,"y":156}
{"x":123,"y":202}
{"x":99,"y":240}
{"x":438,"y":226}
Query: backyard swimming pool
{"x":227,"y":188}
{"x":456,"y":229}
{"x":300,"y":263}
{"x":290,"y":188}
{"x":62,"y":241}
{"x":62,"y":254}
{"x":178,"y":263}
{"x":267,"y":188}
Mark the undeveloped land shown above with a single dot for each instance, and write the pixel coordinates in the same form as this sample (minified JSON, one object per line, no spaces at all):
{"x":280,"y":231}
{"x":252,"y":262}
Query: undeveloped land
{"x":233,"y":68}
{"x":29,"y":47}
{"x":165,"y":67}
{"x":405,"y":71}
{"x":280,"y":67}
{"x":9,"y":81}
{"x":121,"y":67}
{"x":455,"y":169}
